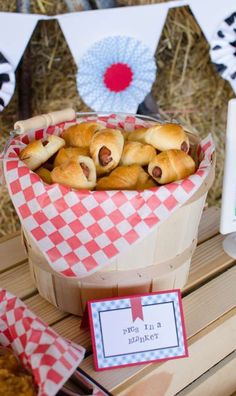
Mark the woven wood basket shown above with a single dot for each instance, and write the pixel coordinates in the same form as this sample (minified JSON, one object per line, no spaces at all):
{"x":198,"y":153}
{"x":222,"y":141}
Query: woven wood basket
{"x":158,"y":262}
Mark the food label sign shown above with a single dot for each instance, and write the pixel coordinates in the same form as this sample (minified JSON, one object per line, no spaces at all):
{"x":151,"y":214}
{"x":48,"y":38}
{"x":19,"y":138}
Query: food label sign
{"x":137,"y":329}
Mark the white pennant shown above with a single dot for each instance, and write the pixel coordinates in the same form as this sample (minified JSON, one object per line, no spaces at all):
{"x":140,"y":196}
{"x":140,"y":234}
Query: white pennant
{"x":210,"y":13}
{"x":15,"y":32}
{"x":83,"y":29}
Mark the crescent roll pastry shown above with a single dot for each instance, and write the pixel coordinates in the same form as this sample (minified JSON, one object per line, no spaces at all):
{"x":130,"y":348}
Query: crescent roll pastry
{"x":131,"y":177}
{"x":137,"y":153}
{"x":138,"y":135}
{"x":80,"y":135}
{"x":163,"y":137}
{"x":144,"y":181}
{"x":45,"y":174}
{"x":66,"y":153}
{"x":39,"y":151}
{"x":106,"y":149}
{"x":79,"y":173}
{"x":125,"y":134}
{"x":171,"y":165}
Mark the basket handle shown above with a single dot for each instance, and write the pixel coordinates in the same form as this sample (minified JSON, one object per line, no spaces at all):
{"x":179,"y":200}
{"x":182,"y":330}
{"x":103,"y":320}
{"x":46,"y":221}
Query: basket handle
{"x":44,"y":120}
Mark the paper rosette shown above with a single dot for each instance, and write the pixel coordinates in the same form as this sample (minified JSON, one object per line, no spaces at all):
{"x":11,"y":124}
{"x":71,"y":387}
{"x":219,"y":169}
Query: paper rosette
{"x":80,"y":232}
{"x":50,"y":358}
{"x":7,"y":81}
{"x":223,"y":49}
{"x":115,"y":74}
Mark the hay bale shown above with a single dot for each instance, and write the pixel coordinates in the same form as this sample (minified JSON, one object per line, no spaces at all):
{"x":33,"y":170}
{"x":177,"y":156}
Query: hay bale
{"x":187,"y":87}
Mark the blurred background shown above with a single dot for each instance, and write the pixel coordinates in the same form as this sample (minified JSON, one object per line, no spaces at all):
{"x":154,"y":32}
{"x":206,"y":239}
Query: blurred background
{"x":187,"y":87}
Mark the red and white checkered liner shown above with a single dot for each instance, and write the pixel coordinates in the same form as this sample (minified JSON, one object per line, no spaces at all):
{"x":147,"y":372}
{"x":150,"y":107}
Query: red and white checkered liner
{"x":80,"y":232}
{"x":49,"y":357}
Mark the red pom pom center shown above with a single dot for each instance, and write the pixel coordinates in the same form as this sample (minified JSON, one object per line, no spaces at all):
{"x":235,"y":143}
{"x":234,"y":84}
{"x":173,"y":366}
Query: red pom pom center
{"x":118,"y":77}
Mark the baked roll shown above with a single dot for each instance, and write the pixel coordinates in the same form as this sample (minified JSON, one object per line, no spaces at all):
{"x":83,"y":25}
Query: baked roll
{"x":125,"y":134}
{"x":137,"y":153}
{"x":144,"y":181}
{"x":39,"y":151}
{"x":131,"y":177}
{"x":171,"y":165}
{"x":106,"y":149}
{"x":78,"y":173}
{"x":138,"y":135}
{"x":163,"y":137}
{"x":80,"y":135}
{"x":66,"y":153}
{"x":44,"y":174}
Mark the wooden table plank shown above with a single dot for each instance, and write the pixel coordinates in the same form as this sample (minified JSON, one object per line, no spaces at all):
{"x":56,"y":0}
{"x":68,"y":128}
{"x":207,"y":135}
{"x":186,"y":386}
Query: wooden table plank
{"x":70,"y":328}
{"x":213,"y":319}
{"x":18,"y":281}
{"x":219,"y":380}
{"x":173,"y":375}
{"x":208,"y":260}
{"x":24,"y":285}
{"x":209,"y":224}
{"x":11,"y":253}
{"x":218,"y":296}
{"x":45,"y":310}
{"x":212,"y":300}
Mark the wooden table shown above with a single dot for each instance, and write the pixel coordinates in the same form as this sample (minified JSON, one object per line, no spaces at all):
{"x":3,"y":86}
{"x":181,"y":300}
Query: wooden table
{"x":209,"y":301}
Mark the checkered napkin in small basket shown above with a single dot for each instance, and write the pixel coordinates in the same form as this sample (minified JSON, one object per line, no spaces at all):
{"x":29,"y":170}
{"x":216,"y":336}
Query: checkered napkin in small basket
{"x":50,"y":358}
{"x":80,"y":232}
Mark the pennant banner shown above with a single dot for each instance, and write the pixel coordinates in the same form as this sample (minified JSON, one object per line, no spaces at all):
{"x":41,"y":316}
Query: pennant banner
{"x":217,"y":20}
{"x":209,"y":14}
{"x":141,"y":24}
{"x":116,"y":71}
{"x":15,"y":32}
{"x":83,"y":29}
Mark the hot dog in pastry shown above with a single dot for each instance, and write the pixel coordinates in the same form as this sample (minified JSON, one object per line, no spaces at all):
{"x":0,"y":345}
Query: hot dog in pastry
{"x":131,"y":177}
{"x":78,"y":173}
{"x":138,"y":135}
{"x":39,"y":151}
{"x":66,"y":153}
{"x":171,"y":165}
{"x":106,"y":149}
{"x":162,"y":137}
{"x":45,"y":174}
{"x":80,"y":135}
{"x":137,"y":153}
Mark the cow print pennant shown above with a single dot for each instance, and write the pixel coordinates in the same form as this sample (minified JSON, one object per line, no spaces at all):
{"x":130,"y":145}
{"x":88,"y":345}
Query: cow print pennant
{"x":7,"y":81}
{"x":223,"y":49}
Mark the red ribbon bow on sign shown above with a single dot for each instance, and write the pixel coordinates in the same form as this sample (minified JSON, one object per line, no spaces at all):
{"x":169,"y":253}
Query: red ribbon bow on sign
{"x":136,"y":308}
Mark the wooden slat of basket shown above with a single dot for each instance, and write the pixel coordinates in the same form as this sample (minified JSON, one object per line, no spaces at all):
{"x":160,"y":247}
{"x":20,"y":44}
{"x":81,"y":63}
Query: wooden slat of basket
{"x":221,"y":376}
{"x":222,"y":292}
{"x":12,"y":251}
